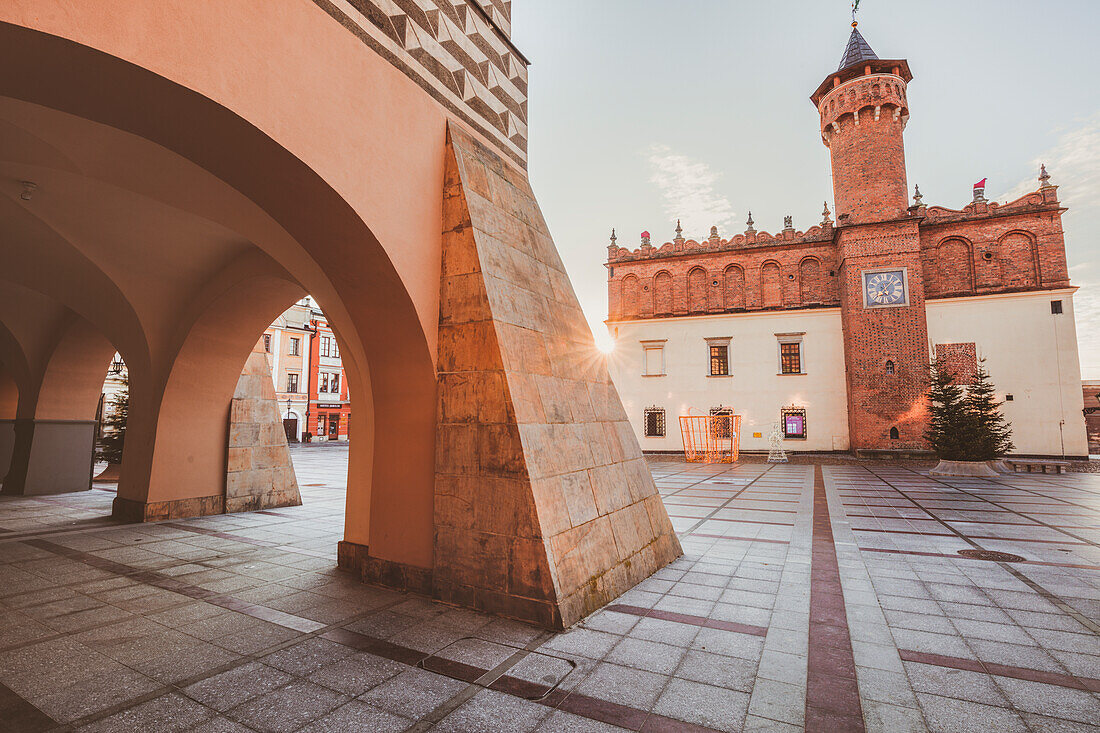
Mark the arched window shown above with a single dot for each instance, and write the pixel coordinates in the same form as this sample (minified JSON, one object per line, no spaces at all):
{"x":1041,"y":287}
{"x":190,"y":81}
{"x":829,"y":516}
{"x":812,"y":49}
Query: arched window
{"x":889,"y":367}
{"x":894,"y":434}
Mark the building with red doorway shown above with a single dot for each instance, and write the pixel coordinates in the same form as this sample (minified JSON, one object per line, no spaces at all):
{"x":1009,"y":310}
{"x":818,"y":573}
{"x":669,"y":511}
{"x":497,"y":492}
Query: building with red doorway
{"x":328,"y":416}
{"x":829,"y":332}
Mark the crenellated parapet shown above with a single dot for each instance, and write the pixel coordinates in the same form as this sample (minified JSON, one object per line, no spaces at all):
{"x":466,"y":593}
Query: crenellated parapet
{"x":874,"y":97}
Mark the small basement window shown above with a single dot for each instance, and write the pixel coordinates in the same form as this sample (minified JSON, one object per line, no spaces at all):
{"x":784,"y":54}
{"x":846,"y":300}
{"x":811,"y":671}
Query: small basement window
{"x":1009,"y":398}
{"x":722,"y":428}
{"x":794,"y":423}
{"x":894,"y":434}
{"x":1056,"y":307}
{"x":654,"y":422}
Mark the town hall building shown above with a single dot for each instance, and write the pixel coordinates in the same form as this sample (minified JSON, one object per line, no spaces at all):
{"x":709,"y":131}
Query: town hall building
{"x":828,"y":333}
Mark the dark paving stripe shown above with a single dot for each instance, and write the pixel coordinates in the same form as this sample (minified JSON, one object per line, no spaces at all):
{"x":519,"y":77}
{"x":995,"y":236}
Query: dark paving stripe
{"x":1002,"y":670}
{"x":571,"y":702}
{"x":165,"y":582}
{"x":687,"y":618}
{"x":832,"y":694}
{"x":16,"y":714}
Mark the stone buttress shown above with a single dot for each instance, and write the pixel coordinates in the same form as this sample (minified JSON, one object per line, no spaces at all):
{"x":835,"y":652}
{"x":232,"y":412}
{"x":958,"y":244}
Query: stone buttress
{"x":545,"y":509}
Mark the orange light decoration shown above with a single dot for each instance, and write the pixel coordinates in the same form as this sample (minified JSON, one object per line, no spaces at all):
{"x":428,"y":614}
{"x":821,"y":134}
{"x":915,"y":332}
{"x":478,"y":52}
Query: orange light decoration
{"x":711,"y":438}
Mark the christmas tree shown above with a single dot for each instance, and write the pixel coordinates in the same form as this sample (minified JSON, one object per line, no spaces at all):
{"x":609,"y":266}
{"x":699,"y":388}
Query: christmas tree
{"x":992,"y":437}
{"x":113,"y":434}
{"x":965,"y":423}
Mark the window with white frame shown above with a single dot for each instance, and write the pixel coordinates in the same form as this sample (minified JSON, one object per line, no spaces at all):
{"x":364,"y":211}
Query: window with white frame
{"x":718,"y":356}
{"x":291,"y":382}
{"x":653,"y":361}
{"x":295,"y":347}
{"x":334,"y":385}
{"x":791,"y":357}
{"x":326,"y":345}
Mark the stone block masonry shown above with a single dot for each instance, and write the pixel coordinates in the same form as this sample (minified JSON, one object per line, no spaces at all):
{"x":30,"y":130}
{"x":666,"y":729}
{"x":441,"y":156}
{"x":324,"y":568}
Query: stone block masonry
{"x":544,"y":507}
{"x":259,"y":473}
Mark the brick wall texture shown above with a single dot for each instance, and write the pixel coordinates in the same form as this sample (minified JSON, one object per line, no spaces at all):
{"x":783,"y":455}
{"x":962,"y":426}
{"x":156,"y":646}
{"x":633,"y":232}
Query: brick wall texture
{"x":981,"y":249}
{"x":259,"y":474}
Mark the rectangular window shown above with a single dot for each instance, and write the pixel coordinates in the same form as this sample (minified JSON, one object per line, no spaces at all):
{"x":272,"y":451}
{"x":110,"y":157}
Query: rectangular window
{"x":267,"y":342}
{"x":291,"y":382}
{"x":295,"y":347}
{"x":794,"y":423}
{"x":324,"y":382}
{"x":322,"y":423}
{"x":653,"y":358}
{"x":335,"y":385}
{"x":654,"y":422}
{"x":719,"y":360}
{"x":722,"y":427}
{"x":335,"y":349}
{"x":790,"y":358}
{"x":1055,"y":307}
{"x":326,"y":345}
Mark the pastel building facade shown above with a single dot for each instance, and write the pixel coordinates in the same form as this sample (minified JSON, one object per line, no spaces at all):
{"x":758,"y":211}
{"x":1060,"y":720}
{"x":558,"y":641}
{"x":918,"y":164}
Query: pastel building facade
{"x":829,"y":332}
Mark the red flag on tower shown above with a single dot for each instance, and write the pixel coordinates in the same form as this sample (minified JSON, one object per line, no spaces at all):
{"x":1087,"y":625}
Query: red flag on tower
{"x":981,"y":183}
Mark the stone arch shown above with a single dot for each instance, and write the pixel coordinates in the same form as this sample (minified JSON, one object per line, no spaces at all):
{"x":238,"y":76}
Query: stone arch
{"x":631,"y":296}
{"x":811,"y":281}
{"x":734,"y":290}
{"x":662,"y":293}
{"x":697,"y":290}
{"x":1018,"y":259}
{"x":949,"y":268}
{"x":771,"y":285}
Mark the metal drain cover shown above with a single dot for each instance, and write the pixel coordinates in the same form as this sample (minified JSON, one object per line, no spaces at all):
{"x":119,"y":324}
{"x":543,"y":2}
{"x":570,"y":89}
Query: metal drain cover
{"x":991,"y":555}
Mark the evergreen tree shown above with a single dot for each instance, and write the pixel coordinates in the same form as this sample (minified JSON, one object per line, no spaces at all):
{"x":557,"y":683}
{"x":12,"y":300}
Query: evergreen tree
{"x":992,"y":437}
{"x":951,"y":426}
{"x":114,"y":425}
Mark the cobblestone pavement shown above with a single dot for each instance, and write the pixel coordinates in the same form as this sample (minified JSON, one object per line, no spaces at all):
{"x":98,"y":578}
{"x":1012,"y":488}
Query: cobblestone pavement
{"x":830,"y":598}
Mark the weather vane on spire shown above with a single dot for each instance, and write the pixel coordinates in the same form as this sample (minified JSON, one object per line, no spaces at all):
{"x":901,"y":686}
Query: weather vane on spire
{"x":855,"y":9}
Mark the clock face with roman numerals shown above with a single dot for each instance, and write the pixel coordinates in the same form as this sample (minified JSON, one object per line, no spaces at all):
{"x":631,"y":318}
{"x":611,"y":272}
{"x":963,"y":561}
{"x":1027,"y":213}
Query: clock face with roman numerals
{"x":885,"y":287}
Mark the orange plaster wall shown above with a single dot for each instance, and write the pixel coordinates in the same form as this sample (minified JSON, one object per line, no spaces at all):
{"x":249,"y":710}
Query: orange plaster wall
{"x":302,"y":79}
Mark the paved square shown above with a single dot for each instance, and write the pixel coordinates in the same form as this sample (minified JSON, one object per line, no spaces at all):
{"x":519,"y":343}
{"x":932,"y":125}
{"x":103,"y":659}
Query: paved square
{"x":819,"y":597}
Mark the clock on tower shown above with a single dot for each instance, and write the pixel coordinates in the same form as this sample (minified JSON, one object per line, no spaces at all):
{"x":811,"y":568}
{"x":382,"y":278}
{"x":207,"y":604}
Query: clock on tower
{"x":885,"y":287}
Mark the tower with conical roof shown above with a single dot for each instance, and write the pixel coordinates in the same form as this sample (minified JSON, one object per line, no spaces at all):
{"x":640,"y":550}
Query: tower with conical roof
{"x":863,"y":113}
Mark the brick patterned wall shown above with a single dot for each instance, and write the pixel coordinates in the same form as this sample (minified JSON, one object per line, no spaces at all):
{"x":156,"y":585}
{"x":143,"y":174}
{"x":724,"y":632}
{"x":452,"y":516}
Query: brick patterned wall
{"x":862,"y":120}
{"x":960,"y":360}
{"x":1092,"y":418}
{"x":990,"y":248}
{"x":878,"y":401}
{"x":724,"y":276}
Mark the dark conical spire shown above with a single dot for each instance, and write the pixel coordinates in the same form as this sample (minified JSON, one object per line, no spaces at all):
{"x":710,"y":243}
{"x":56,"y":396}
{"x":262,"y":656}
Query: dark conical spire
{"x":857,"y":52}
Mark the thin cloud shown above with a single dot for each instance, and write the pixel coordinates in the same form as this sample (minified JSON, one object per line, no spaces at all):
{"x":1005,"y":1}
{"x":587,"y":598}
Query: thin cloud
{"x":1074,"y":166}
{"x":688,"y":189}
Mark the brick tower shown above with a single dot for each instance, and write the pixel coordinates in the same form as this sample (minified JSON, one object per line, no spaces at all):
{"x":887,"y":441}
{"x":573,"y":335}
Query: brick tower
{"x":863,"y":115}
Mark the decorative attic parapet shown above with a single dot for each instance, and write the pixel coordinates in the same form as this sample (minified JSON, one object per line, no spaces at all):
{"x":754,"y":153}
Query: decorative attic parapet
{"x":752,"y":239}
{"x":1044,"y":199}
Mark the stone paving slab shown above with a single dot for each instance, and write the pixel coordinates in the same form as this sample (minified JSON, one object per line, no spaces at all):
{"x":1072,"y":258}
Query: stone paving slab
{"x":809,"y":597}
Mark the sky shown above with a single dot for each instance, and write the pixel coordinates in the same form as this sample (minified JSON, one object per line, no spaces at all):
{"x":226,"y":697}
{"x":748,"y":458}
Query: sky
{"x":645,"y":111}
